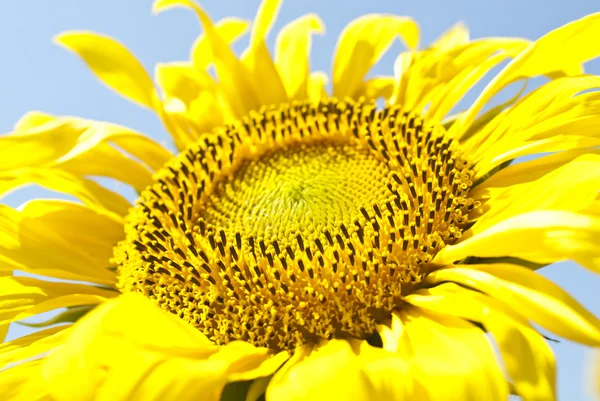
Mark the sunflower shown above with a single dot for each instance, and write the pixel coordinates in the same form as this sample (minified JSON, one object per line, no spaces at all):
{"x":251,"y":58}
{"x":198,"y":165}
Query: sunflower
{"x":302,"y":244}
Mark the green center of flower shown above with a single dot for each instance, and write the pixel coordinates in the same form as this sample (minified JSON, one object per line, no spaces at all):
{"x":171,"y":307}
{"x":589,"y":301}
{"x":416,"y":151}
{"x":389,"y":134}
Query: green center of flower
{"x":299,"y":222}
{"x":303,"y":189}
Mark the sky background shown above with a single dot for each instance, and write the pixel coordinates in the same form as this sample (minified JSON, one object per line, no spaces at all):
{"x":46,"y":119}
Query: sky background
{"x":37,"y":75}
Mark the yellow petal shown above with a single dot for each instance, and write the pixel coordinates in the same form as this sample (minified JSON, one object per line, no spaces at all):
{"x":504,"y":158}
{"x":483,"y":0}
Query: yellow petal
{"x":106,"y":161}
{"x":257,"y":59}
{"x":451,"y":358}
{"x":342,"y":370}
{"x":562,"y":112}
{"x":31,"y":345}
{"x":534,"y":296}
{"x":527,"y":357}
{"x":546,"y":102}
{"x":392,"y":335}
{"x":432,"y":81}
{"x":299,"y":354}
{"x":63,"y":139}
{"x":339,"y":370}
{"x":23,"y":383}
{"x":255,"y":365}
{"x":557,"y":143}
{"x":561,"y":51}
{"x":317,"y":376}
{"x":579,"y":179}
{"x":454,"y":90}
{"x":263,"y":22}
{"x":390,"y":375}
{"x":39,"y":144}
{"x":45,"y":238}
{"x":457,"y":35}
{"x":404,"y":68}
{"x":541,"y":237}
{"x":191,"y":99}
{"x":128,"y":348}
{"x":316,"y":86}
{"x":87,"y":191}
{"x":229,"y":29}
{"x":54,"y":141}
{"x":257,"y":388}
{"x":594,"y":209}
{"x":69,"y":220}
{"x":234,"y":78}
{"x":361,"y":45}
{"x":113,"y":64}
{"x":435,"y":79}
{"x":378,"y":87}
{"x":489,"y":119}
{"x":23,"y":297}
{"x":292,"y":55}
{"x":32,"y":119}
{"x":526,"y":172}
{"x":134,"y":143}
{"x":182,"y":80}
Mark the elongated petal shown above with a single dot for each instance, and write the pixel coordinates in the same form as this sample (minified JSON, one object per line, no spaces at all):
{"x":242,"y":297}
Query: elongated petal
{"x":292,"y":55}
{"x":540,"y":236}
{"x":526,"y":172}
{"x":528,"y":359}
{"x":229,"y":29}
{"x":316,"y":86}
{"x":134,"y":143}
{"x":113,"y":64}
{"x":378,"y":87}
{"x":106,"y":161}
{"x":235,"y":79}
{"x":362,"y":44}
{"x":55,"y":142}
{"x":457,"y":35}
{"x":267,"y":82}
{"x":87,"y":191}
{"x":31,"y":345}
{"x":579,"y":179}
{"x":432,"y":81}
{"x":24,"y":383}
{"x":68,"y":219}
{"x":561,"y":51}
{"x":191,"y":99}
{"x":452,"y":358}
{"x":537,"y":298}
{"x":22,"y":297}
{"x":183,"y":81}
{"x":63,"y":139}
{"x":454,"y":90}
{"x":366,"y":373}
{"x":445,"y":360}
{"x":45,"y":238}
{"x":32,"y":119}
{"x":557,"y":143}
{"x":552,"y":104}
{"x":130,"y":349}
{"x":564,"y":119}
{"x":313,"y":378}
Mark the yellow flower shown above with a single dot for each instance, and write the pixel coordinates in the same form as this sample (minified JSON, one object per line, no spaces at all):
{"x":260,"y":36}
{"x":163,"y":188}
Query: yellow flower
{"x":307,"y":245}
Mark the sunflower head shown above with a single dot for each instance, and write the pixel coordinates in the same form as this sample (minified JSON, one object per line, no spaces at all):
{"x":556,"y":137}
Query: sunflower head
{"x":298,"y":223}
{"x":307,"y":243}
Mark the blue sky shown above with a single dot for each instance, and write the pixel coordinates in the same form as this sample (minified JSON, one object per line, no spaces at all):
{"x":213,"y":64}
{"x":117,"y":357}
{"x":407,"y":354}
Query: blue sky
{"x":38,"y":75}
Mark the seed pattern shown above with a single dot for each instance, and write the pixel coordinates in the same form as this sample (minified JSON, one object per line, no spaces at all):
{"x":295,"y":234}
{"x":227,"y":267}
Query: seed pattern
{"x":297,"y":223}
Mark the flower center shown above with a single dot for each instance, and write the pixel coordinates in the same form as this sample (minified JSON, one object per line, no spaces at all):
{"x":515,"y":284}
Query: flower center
{"x":299,"y":222}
